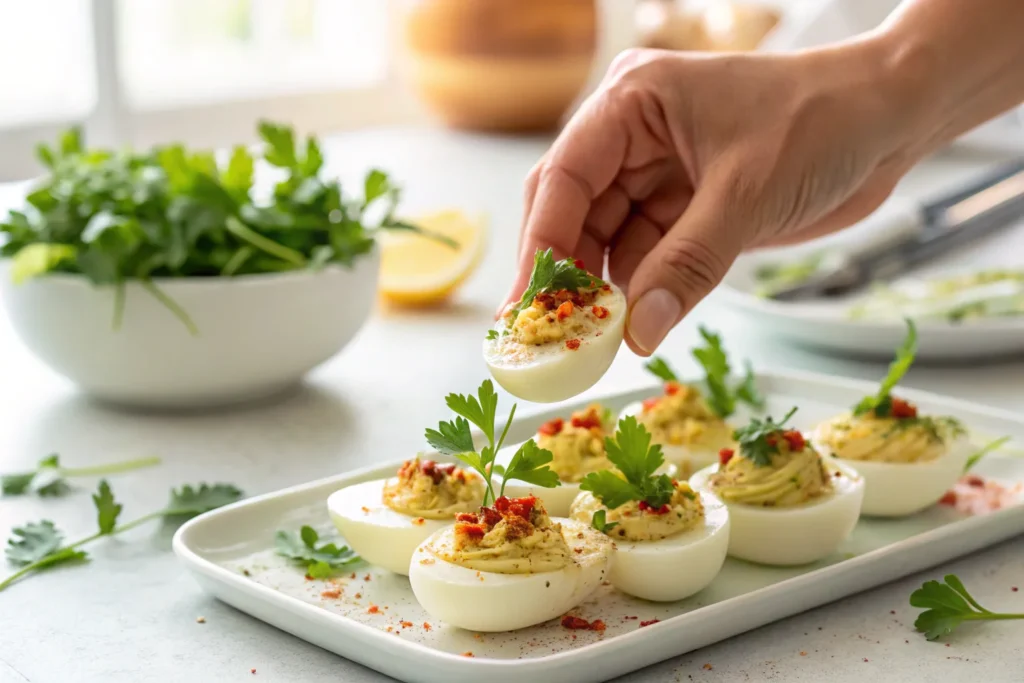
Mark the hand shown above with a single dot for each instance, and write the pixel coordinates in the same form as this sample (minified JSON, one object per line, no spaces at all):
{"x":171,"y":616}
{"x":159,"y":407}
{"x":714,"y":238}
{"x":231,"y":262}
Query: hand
{"x":679,"y":162}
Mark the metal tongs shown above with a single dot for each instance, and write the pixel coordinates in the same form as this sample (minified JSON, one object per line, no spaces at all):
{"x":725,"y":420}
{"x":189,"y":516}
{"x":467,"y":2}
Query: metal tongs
{"x":984,"y":207}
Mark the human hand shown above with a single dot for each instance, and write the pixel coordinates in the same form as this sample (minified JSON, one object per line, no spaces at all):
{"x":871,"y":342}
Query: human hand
{"x":678,"y":163}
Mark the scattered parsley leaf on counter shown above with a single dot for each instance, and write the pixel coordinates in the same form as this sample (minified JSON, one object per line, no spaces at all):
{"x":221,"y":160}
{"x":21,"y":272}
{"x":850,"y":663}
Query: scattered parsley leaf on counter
{"x":881,"y":403}
{"x":598,"y":521}
{"x":320,"y":561}
{"x":658,"y":367}
{"x":983,"y":451}
{"x":633,"y":454}
{"x":455,"y":439}
{"x":550,"y":275}
{"x":947,"y":605}
{"x":50,"y":478}
{"x":184,"y":503}
{"x":753,"y":438}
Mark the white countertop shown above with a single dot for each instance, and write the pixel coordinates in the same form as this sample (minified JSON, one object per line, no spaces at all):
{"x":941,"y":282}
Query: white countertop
{"x":130,"y":614}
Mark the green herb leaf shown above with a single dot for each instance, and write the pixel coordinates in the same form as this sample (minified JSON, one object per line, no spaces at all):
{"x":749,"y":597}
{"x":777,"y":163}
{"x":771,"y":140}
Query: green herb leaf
{"x":611,"y":489}
{"x":492,"y":334}
{"x":191,"y":501}
{"x":32,"y":542}
{"x":880,"y":402}
{"x":947,"y":605}
{"x":637,"y":459}
{"x":529,"y":464}
{"x":107,"y":509}
{"x":599,"y":523}
{"x":452,"y":438}
{"x":480,"y":412}
{"x":549,"y":275}
{"x":320,"y":560}
{"x":660,"y":368}
{"x":753,"y":439}
{"x":712,"y":358}
{"x":983,"y":451}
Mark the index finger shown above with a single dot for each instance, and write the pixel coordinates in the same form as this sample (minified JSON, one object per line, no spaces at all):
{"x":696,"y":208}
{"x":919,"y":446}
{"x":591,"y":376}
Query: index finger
{"x":582,"y":163}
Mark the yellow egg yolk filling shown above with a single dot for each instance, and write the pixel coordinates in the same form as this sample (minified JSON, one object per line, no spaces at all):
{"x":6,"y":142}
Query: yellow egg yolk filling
{"x":424,"y":488}
{"x":793,"y":477}
{"x":638,"y":521}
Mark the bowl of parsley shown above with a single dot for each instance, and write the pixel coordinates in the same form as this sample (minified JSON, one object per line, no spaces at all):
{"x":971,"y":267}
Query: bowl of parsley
{"x":159,"y":279}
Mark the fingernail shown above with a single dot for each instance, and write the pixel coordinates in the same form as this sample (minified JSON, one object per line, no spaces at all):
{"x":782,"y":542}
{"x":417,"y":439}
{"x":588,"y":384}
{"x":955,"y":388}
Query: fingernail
{"x":653,"y":315}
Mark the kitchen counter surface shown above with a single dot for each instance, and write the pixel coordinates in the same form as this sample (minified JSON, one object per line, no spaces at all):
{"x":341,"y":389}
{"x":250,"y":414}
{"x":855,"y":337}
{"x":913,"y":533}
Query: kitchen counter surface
{"x":130,"y":614}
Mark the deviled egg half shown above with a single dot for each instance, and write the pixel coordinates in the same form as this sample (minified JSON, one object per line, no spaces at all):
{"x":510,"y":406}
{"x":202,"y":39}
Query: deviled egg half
{"x":787,"y":504}
{"x":560,"y":337}
{"x":386,"y":519}
{"x":508,"y":567}
{"x":577,"y":448}
{"x":670,"y":541}
{"x":908,"y":460}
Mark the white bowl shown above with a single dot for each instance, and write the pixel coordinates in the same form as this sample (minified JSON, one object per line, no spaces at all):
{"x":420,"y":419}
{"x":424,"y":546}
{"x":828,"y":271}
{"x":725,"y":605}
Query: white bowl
{"x":256,"y":334}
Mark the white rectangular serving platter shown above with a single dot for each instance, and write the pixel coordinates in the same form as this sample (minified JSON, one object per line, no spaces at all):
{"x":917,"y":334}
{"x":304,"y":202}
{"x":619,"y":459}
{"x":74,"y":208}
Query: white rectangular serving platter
{"x":373,"y":618}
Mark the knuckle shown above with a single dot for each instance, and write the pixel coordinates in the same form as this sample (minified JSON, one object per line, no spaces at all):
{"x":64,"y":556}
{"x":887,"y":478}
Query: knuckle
{"x":693,"y":265}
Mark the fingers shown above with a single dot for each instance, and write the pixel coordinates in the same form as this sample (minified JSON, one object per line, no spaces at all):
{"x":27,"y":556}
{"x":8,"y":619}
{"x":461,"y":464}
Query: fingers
{"x":681,"y":269}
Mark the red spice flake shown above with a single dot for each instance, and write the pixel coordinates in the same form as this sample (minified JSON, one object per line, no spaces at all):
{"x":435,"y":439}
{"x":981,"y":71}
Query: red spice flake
{"x":838,"y":474}
{"x":367,"y":577}
{"x":578,"y":264}
{"x":467,"y":654}
{"x":572,"y":344}
{"x":600,"y":312}
{"x":365,"y":510}
{"x":578,"y":550}
{"x":948,"y":645}
{"x":649,"y":622}
{"x":352,"y":576}
{"x":974,"y":480}
{"x":606,"y":288}
{"x":373,"y":609}
{"x":564,"y":310}
{"x":467,"y":517}
{"x":949,"y":498}
{"x":390,"y":629}
{"x":650,"y":403}
{"x":405,"y":624}
{"x":359,"y":596}
{"x":333,"y":594}
{"x":708,"y":667}
{"x":672,"y":388}
{"x":865,"y":659}
{"x":552,"y":427}
{"x":892,"y":611}
{"x":630,"y":617}
{"x":419,"y":521}
{"x":427,"y":626}
{"x":902,"y":409}
{"x":725,"y":455}
{"x":472,"y":530}
{"x":1014,"y":589}
{"x":580,"y":624}
{"x":587,"y":420}
{"x":252,"y":671}
{"x":477,"y":636}
{"x":802,"y":653}
{"x":515,"y":507}
{"x":795,"y":439}
{"x":309,"y":578}
{"x":661,"y":510}
{"x":490,"y":516}
{"x":436,"y":472}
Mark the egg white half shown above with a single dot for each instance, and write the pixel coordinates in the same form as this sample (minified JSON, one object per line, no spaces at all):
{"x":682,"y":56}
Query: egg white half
{"x":381,"y":536}
{"x":801,"y":534}
{"x":676,"y":567}
{"x":551,"y":372}
{"x":897,"y":489}
{"x":489,"y":602}
{"x":687,"y":458}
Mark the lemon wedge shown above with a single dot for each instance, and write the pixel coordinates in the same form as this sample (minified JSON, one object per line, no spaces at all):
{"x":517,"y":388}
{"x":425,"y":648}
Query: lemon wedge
{"x":419,"y":271}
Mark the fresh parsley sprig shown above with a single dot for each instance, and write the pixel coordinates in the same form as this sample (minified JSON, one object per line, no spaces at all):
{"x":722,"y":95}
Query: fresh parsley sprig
{"x":601,"y":523}
{"x":722,"y":398}
{"x":947,"y":605}
{"x":550,"y":275}
{"x":753,"y":439}
{"x":633,"y":454}
{"x":321,"y":561}
{"x":881,"y":403}
{"x":454,"y":438}
{"x":50,"y":478}
{"x":38,"y":545}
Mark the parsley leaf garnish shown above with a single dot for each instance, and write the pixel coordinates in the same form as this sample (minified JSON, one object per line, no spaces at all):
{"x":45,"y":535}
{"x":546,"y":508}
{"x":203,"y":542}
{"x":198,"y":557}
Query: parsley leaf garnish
{"x":633,"y":454}
{"x":983,"y":451}
{"x":660,"y":368}
{"x":753,"y":439}
{"x":492,"y":335}
{"x":320,"y":561}
{"x":947,"y":605}
{"x":881,"y":403}
{"x":37,"y":545}
{"x":454,"y":438}
{"x":747,"y":391}
{"x":550,"y":275}
{"x":598,"y":521}
{"x":50,"y":478}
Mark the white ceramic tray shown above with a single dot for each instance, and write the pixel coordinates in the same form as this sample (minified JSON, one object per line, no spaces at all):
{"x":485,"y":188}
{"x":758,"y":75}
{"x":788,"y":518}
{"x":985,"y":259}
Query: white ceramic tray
{"x":230,"y":552}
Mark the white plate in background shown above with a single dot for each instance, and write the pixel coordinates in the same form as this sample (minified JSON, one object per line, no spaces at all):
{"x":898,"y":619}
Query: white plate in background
{"x":230,"y":553}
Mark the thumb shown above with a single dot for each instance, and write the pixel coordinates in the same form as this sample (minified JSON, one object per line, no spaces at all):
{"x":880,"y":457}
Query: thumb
{"x":684,"y":266}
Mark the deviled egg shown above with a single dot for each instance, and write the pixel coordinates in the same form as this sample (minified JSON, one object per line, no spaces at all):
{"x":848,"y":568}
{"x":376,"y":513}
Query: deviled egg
{"x":577,"y":447}
{"x":508,"y":567}
{"x":670,"y":541}
{"x":560,"y":337}
{"x":787,"y":504}
{"x":386,"y":519}
{"x":908,"y":460}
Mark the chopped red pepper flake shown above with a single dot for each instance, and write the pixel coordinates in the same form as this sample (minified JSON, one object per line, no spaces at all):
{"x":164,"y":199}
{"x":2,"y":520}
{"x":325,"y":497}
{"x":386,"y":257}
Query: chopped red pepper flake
{"x":419,"y":521}
{"x":1013,"y":588}
{"x":405,"y":624}
{"x":795,"y":439}
{"x":252,"y":671}
{"x":588,"y":420}
{"x":606,"y":288}
{"x":580,"y":624}
{"x":572,"y":344}
{"x":333,"y":593}
{"x":564,"y":310}
{"x":649,"y":622}
{"x":373,"y":609}
{"x":472,"y":530}
{"x":650,"y":403}
{"x":468,"y":517}
{"x":600,"y":312}
{"x":672,"y":388}
{"x":579,"y":264}
{"x":552,"y":427}
{"x":467,"y":654}
{"x":427,"y":626}
{"x":708,"y":667}
{"x":661,"y":510}
{"x":948,"y":499}
{"x":902,"y":409}
{"x":725,"y":455}
{"x":975,"y":481}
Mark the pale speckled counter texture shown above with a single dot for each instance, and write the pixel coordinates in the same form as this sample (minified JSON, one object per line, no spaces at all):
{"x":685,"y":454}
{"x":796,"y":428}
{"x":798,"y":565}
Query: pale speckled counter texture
{"x":130,"y":615}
